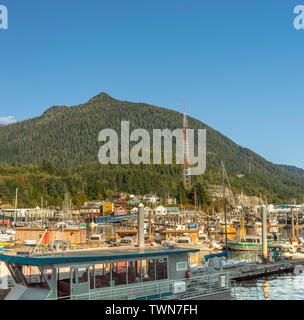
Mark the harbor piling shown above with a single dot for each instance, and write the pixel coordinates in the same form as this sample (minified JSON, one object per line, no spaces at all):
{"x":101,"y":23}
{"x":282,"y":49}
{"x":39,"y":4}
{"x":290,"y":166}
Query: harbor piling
{"x":264,"y":231}
{"x":141,"y":230}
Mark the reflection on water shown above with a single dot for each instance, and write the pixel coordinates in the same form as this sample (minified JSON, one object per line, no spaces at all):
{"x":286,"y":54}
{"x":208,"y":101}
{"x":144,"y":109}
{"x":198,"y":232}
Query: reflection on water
{"x":283,"y":287}
{"x":280,"y":287}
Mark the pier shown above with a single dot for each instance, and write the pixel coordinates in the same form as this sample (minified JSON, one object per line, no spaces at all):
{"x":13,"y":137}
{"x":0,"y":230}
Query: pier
{"x":255,"y":271}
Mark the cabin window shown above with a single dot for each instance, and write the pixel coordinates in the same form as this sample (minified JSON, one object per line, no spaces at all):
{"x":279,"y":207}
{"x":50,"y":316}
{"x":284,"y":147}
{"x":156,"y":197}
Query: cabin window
{"x":250,"y":240}
{"x":119,"y":273}
{"x":83,"y":274}
{"x":92,"y":277}
{"x":80,"y":275}
{"x":148,"y":270}
{"x":134,"y":271}
{"x":181,"y":266}
{"x":102,"y":275}
{"x":63,"y":282}
{"x":161,"y":269}
{"x":30,"y":276}
{"x":33,"y":276}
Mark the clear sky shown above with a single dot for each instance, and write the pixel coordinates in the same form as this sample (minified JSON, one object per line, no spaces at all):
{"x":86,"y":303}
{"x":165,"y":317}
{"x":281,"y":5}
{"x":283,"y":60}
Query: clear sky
{"x":238,"y":63}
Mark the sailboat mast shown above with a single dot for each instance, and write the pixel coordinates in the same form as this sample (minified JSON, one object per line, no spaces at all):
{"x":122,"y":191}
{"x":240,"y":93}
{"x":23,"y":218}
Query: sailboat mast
{"x":225,"y":215}
{"x":16,"y":204}
{"x":195,"y":206}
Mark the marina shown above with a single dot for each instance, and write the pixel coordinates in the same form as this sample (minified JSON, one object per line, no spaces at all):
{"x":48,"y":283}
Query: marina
{"x":66,"y":258}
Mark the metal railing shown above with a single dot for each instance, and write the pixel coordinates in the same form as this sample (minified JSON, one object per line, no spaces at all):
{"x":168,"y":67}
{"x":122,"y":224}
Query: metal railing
{"x":203,"y":286}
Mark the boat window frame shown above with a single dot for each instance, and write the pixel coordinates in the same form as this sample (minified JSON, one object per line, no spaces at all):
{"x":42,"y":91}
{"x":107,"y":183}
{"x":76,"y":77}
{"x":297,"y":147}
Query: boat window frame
{"x":88,"y":264}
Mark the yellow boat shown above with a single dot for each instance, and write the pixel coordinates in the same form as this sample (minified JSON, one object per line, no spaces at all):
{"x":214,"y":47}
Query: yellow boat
{"x":4,"y":244}
{"x":229,"y":229}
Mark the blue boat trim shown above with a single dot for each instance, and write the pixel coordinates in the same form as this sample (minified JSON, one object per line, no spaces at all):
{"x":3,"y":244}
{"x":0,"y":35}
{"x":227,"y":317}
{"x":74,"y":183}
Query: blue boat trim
{"x":97,"y":255}
{"x":121,"y":217}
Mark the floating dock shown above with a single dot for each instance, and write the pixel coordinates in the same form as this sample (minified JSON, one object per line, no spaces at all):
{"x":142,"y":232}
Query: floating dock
{"x":256,"y":270}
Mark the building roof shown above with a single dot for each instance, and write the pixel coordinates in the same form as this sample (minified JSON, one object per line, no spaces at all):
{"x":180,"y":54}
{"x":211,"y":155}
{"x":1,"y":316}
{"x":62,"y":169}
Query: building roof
{"x":94,"y":255}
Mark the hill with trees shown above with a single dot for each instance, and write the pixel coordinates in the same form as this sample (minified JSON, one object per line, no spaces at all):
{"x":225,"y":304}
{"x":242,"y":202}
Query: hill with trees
{"x":66,"y":138}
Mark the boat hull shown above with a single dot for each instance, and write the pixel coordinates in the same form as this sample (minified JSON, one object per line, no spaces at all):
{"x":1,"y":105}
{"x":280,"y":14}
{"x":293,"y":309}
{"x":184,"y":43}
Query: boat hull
{"x":237,"y":246}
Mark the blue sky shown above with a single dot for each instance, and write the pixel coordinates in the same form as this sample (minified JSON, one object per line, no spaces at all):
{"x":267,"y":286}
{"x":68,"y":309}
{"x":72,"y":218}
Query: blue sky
{"x":239,"y":64}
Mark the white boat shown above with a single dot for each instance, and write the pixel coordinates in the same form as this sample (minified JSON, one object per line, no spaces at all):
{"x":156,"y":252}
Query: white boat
{"x":258,"y":227}
{"x":6,"y":237}
{"x":30,"y":243}
{"x":249,"y":243}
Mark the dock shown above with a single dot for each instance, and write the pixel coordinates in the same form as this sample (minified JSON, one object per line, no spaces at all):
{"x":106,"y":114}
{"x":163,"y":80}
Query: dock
{"x":256,"y":270}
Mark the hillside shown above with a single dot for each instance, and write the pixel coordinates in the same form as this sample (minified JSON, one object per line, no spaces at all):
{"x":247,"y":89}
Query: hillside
{"x":294,"y":169}
{"x":67,"y":137}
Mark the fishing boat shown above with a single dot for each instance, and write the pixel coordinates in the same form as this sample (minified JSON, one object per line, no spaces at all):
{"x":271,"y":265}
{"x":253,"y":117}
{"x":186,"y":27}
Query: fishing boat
{"x":249,"y":243}
{"x":138,"y":273}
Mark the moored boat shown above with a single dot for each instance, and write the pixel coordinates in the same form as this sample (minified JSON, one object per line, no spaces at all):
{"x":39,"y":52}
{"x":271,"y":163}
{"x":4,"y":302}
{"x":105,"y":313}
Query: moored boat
{"x":249,"y":243}
{"x":138,"y":273}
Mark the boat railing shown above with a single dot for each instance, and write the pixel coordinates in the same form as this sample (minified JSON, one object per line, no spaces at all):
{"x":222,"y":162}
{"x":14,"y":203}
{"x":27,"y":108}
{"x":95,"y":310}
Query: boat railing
{"x":182,"y":289}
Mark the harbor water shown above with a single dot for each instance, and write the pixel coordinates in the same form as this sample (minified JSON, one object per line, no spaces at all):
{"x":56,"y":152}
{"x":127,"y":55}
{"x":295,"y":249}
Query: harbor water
{"x":287,"y":286}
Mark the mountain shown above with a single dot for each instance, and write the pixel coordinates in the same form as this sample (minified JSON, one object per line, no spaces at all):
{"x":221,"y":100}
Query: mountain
{"x":67,"y":137}
{"x":293,"y":169}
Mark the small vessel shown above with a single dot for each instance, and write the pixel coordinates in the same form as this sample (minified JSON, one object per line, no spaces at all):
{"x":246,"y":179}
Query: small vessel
{"x":258,"y":227}
{"x":127,"y":241}
{"x":230,"y":230}
{"x":116,"y":218}
{"x":98,"y":237}
{"x":249,"y":243}
{"x":30,"y":243}
{"x":6,"y":236}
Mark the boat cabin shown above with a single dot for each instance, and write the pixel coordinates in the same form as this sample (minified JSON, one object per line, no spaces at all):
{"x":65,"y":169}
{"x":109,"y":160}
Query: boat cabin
{"x":256,"y":239}
{"x":109,"y":273}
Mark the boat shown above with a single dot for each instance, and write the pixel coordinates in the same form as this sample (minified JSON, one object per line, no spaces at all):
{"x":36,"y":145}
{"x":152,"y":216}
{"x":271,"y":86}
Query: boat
{"x":98,"y":237}
{"x":127,"y":241}
{"x":138,"y":273}
{"x":30,"y":243}
{"x":6,"y":244}
{"x":215,"y":262}
{"x":116,"y":218}
{"x":6,"y":236}
{"x":230,"y":230}
{"x":248,"y":243}
{"x":258,"y":227}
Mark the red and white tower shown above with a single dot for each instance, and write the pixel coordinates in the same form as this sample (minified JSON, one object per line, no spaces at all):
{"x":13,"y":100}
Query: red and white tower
{"x":186,"y":169}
